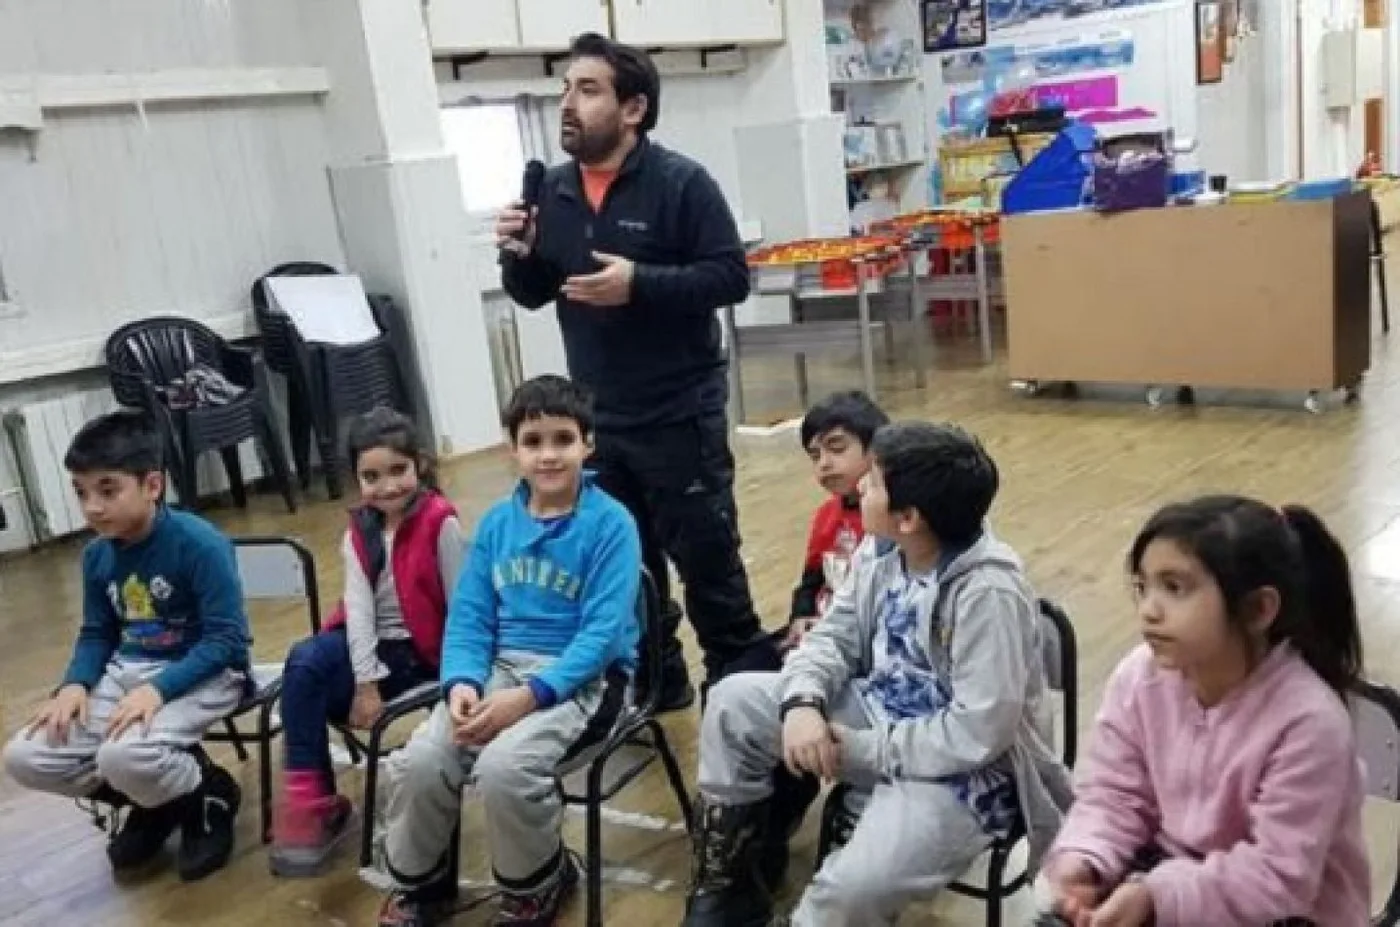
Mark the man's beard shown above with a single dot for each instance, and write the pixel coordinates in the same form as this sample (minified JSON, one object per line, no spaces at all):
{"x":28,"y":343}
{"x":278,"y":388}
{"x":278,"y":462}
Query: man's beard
{"x":590,"y":146}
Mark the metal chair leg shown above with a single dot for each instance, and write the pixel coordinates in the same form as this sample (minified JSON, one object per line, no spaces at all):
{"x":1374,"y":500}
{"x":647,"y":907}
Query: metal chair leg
{"x":371,"y":795}
{"x":236,"y":738}
{"x":996,"y":873}
{"x":593,"y":858}
{"x":673,"y":773}
{"x":265,"y":768}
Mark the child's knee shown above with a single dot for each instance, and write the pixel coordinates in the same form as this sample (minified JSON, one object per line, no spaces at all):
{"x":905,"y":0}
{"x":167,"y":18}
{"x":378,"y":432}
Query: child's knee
{"x":504,"y":775}
{"x":744,"y":701}
{"x":129,"y":765}
{"x":24,"y":759}
{"x":305,"y":656}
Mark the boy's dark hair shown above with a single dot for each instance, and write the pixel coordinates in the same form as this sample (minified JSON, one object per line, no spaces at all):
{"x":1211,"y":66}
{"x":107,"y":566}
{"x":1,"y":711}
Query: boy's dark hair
{"x":941,"y":472}
{"x":634,"y":73}
{"x":1247,"y":545}
{"x":851,"y":411}
{"x":384,"y":427}
{"x":549,"y":395}
{"x":125,"y":441}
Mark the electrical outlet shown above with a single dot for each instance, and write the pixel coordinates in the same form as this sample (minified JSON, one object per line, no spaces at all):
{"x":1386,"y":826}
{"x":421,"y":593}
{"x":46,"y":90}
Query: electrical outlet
{"x":11,"y":312}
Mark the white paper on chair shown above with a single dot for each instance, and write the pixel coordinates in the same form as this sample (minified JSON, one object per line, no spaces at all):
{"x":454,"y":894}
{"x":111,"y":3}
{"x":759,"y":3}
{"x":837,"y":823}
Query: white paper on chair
{"x":329,"y":309}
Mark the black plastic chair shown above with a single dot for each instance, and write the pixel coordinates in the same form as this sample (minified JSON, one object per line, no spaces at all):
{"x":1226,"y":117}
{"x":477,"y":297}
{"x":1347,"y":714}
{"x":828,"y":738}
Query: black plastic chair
{"x":146,"y":357}
{"x":1060,"y":658}
{"x":327,"y":383}
{"x":635,"y":727}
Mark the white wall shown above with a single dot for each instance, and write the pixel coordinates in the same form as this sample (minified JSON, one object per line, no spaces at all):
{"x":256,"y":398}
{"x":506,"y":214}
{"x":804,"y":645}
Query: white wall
{"x":1233,"y":116}
{"x":110,"y":216}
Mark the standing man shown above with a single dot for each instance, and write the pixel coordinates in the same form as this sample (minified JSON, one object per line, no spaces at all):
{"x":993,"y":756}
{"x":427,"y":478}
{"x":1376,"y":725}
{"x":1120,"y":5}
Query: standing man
{"x":639,"y":248}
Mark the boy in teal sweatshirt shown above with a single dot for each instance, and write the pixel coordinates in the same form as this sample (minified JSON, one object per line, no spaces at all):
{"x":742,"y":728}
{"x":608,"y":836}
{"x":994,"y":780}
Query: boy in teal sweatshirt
{"x":162,"y":654}
{"x":541,"y":639}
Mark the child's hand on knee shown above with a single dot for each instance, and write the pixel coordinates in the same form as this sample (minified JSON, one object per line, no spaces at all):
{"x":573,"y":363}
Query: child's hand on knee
{"x":137,"y":706}
{"x":367,"y":706}
{"x":1130,"y":905}
{"x":494,"y":714}
{"x":808,"y":746}
{"x":461,"y":702}
{"x":54,"y":716}
{"x":1074,"y":887}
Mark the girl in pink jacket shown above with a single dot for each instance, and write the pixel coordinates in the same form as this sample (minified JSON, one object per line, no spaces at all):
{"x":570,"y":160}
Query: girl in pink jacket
{"x":1222,"y":786}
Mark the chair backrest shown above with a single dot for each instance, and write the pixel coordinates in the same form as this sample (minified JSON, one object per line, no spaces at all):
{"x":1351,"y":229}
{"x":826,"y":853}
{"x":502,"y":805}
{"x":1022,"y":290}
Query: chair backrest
{"x":275,"y":568}
{"x":1375,"y":712}
{"x":1059,"y":653}
{"x":649,"y":620}
{"x":157,"y":351}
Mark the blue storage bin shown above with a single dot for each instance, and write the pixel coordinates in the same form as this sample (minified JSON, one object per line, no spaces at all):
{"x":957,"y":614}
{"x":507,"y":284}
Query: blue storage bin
{"x":1322,"y":189}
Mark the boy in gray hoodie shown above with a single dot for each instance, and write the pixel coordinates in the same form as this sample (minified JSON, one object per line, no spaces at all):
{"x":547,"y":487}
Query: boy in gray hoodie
{"x":921,"y":690}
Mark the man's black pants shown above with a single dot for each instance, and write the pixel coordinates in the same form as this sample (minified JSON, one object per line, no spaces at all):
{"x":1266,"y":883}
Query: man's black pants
{"x":677,"y":480}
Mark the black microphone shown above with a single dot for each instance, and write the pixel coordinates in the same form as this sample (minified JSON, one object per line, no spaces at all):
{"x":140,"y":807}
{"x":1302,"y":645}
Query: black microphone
{"x":530,"y":192}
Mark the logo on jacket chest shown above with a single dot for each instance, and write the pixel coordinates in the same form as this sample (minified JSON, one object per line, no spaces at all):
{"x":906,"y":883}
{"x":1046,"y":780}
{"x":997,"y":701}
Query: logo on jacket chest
{"x":634,"y":226}
{"x":539,"y":572}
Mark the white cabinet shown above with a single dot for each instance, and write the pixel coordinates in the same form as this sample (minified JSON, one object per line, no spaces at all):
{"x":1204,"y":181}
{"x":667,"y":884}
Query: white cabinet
{"x":746,"y":22}
{"x":651,"y":23}
{"x":551,"y":24}
{"x":473,"y":25}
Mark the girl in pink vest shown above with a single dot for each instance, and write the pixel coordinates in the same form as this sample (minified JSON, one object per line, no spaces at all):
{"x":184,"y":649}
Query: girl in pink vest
{"x":1222,"y":786}
{"x":402,"y":550}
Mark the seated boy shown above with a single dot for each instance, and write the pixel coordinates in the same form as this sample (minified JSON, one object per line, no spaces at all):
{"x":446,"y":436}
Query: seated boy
{"x":836,"y":434}
{"x":161,"y":655}
{"x":541,"y":635}
{"x":921,"y":689}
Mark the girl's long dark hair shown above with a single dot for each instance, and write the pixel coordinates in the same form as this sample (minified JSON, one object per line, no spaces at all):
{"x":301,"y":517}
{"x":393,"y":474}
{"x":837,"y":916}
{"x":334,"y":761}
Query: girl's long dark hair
{"x":1248,"y":545}
{"x":383,"y":427}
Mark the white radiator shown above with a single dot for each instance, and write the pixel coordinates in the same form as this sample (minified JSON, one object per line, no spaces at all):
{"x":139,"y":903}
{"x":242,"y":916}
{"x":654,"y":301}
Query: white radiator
{"x":40,"y":433}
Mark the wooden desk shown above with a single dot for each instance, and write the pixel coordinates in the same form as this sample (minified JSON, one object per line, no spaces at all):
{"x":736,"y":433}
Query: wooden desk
{"x":1270,"y":296}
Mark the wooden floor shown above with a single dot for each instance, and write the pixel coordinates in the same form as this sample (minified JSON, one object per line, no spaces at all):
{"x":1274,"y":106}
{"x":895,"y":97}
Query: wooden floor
{"x":1078,"y":477}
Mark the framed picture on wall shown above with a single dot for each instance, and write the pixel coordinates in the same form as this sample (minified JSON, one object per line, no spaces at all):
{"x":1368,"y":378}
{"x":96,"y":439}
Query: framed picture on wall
{"x":1210,"y":42}
{"x":952,"y":24}
{"x":1230,"y":27}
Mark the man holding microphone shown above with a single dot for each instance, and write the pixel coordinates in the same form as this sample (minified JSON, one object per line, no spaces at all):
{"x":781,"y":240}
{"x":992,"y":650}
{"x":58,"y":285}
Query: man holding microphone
{"x":638,"y":248}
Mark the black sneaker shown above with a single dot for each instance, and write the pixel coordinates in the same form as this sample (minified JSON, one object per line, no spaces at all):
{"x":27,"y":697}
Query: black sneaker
{"x":541,"y":908}
{"x":206,"y":825}
{"x":141,"y":835}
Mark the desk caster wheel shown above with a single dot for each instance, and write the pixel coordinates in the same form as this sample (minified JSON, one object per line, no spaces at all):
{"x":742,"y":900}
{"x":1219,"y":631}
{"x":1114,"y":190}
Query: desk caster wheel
{"x":1186,"y":396}
{"x":1351,"y":394}
{"x":1313,"y":403}
{"x":1154,"y":396}
{"x":1026,"y":387}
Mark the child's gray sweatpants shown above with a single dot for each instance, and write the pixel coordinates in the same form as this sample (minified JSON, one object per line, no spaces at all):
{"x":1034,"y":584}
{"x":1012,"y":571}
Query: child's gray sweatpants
{"x":514,"y":774}
{"x":150,"y":768}
{"x":912,"y":840}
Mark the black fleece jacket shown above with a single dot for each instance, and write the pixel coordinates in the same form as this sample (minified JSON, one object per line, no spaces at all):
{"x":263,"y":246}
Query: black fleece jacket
{"x":657,"y":360}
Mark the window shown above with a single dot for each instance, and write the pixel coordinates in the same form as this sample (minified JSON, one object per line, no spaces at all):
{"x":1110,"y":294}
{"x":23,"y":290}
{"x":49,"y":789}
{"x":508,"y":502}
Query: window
{"x":490,"y":153}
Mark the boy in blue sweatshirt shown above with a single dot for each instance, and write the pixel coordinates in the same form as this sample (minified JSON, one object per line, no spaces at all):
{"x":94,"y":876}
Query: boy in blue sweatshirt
{"x":161,"y":655}
{"x":541,"y":638}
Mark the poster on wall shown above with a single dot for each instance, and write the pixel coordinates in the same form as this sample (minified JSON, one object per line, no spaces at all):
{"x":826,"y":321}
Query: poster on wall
{"x":953,"y":24}
{"x":1003,"y":14}
{"x":1210,"y":42}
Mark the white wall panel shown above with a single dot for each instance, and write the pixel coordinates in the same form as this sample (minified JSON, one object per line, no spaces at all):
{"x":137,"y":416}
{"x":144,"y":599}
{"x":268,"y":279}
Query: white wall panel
{"x":110,"y":215}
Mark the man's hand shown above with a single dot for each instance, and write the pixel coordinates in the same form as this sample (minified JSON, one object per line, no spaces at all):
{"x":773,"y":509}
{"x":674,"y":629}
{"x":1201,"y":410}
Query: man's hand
{"x":139,"y":705}
{"x":1074,"y":885}
{"x":510,"y":223}
{"x":54,"y":716}
{"x":1130,"y":905}
{"x":367,"y":706}
{"x":808,"y":746}
{"x":494,"y":714}
{"x":611,"y":286}
{"x":797,"y":630}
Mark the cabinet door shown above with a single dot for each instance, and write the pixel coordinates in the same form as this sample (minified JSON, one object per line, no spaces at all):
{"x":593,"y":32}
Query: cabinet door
{"x":746,"y":21}
{"x":554,"y":23}
{"x":473,"y":25}
{"x":662,"y":22}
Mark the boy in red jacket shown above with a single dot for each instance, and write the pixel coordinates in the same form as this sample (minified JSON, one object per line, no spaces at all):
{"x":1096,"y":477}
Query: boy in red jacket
{"x":836,"y":434}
